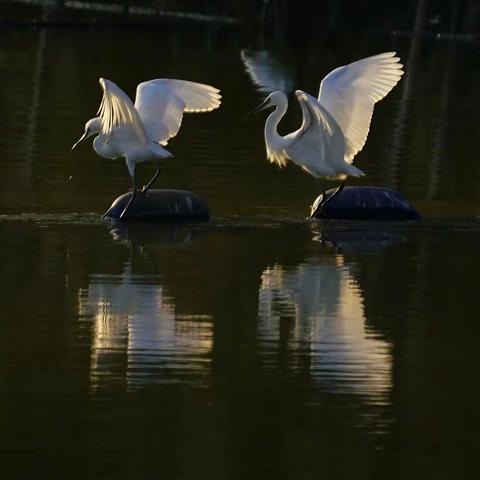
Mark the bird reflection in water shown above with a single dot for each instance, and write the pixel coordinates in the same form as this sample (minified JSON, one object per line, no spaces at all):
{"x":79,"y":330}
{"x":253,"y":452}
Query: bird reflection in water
{"x":328,"y":331}
{"x":138,"y":338}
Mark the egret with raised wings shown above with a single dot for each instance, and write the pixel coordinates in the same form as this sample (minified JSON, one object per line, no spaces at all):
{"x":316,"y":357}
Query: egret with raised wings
{"x":139,"y":131}
{"x":335,"y":125}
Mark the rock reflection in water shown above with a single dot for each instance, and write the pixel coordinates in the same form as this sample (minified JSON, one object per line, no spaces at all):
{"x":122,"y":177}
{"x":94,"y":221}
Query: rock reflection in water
{"x":137,"y":336}
{"x":151,"y":232}
{"x":357,"y":237}
{"x":323,"y":306}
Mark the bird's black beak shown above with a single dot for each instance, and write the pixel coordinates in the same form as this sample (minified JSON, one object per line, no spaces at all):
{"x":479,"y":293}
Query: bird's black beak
{"x":258,"y":108}
{"x":79,"y":140}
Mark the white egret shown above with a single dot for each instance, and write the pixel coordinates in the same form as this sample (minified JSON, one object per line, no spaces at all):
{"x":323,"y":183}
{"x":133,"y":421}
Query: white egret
{"x":139,"y":131}
{"x":335,"y":126}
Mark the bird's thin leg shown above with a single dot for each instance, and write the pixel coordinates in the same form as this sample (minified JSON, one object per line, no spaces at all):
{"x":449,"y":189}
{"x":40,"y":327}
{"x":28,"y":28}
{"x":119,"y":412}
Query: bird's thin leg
{"x":326,"y":199}
{"x":130,"y":201}
{"x":334,"y":194}
{"x":148,"y":185}
{"x":321,"y":188}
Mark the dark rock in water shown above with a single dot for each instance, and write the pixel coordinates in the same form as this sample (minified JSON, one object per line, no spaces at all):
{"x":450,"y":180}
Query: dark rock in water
{"x":161,"y":205}
{"x":365,"y":203}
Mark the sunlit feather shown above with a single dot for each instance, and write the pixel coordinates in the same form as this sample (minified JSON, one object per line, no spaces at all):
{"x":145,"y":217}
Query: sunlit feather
{"x":335,"y":126}
{"x":350,"y":92}
{"x":136,"y":131}
{"x":117,"y":109}
{"x":161,"y":104}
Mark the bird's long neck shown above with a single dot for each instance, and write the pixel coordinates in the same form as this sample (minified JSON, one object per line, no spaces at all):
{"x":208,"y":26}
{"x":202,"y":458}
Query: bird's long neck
{"x":274,"y":142}
{"x":271,"y":132}
{"x":103,"y":148}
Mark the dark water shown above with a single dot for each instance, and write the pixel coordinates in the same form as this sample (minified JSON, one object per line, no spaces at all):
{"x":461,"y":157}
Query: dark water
{"x":257,"y":346}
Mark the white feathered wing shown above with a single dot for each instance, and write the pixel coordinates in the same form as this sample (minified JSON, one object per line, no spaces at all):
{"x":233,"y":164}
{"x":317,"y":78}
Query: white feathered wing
{"x":161,"y":103}
{"x":120,"y":122}
{"x":350,"y":92}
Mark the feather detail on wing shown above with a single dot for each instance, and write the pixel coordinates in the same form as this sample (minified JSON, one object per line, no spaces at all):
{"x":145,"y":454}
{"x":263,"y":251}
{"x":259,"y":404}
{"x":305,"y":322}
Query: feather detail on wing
{"x":266,"y":71}
{"x":116,"y":109}
{"x":350,"y":92}
{"x":161,"y":103}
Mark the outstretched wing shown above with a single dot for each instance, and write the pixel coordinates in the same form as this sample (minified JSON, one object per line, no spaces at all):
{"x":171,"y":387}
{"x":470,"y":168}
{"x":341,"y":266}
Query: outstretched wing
{"x":118,"y":114}
{"x":161,"y":103}
{"x":350,"y":92}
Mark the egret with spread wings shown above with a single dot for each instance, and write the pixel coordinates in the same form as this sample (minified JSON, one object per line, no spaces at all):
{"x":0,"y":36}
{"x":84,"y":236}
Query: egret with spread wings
{"x":139,"y":131}
{"x":335,"y":125}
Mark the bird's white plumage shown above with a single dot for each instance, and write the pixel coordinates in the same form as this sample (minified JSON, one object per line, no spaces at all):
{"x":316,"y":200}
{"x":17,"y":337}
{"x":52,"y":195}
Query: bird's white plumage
{"x":135,"y":132}
{"x":335,"y":126}
{"x":319,"y":142}
{"x":117,"y":110}
{"x":318,"y":146}
{"x":350,"y":92}
{"x":161,"y":103}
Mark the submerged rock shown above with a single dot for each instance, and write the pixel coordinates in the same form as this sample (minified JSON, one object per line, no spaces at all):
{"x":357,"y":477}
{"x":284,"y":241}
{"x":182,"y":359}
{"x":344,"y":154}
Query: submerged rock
{"x":161,"y":205}
{"x":365,"y":203}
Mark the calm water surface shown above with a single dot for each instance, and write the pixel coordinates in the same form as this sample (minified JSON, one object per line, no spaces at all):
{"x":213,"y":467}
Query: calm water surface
{"x":258,"y":345}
